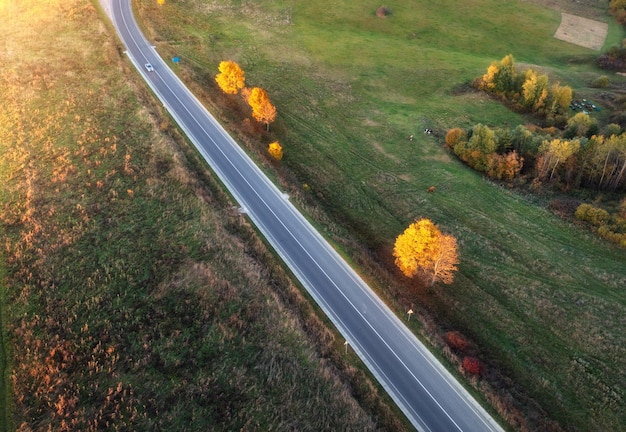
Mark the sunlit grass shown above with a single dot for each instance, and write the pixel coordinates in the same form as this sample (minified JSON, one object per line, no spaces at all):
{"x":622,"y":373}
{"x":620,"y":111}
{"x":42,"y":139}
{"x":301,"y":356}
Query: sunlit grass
{"x":136,"y":297}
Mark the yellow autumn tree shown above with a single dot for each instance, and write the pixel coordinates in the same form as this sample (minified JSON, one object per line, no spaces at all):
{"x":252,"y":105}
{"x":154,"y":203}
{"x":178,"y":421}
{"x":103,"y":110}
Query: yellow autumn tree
{"x":561,"y":97}
{"x":423,"y":249}
{"x":534,"y":90}
{"x":500,"y":76}
{"x":488,"y":81}
{"x":275,"y":150}
{"x":262,"y":109}
{"x":231,"y":77}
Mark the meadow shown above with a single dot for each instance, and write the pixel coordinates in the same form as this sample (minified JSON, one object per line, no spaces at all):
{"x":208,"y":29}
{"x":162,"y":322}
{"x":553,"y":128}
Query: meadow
{"x":133,"y":295}
{"x":540,"y":299}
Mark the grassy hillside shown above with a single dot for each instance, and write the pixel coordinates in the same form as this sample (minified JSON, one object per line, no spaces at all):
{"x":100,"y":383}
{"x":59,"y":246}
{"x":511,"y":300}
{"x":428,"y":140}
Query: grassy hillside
{"x":541,"y":299}
{"x":136,"y":297}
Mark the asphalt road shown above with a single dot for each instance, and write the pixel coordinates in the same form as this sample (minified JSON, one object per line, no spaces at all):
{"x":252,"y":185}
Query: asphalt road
{"x":427,"y":394}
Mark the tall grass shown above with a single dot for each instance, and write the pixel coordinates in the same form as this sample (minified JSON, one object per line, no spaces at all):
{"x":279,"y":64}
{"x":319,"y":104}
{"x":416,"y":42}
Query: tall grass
{"x":136,"y":297}
{"x":541,"y":299}
{"x":5,"y":413}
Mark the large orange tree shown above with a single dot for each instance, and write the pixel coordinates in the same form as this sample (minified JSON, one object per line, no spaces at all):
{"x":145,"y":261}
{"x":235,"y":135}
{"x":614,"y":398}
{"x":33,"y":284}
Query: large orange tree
{"x":231,"y":77}
{"x":423,"y":249}
{"x":262,"y":109}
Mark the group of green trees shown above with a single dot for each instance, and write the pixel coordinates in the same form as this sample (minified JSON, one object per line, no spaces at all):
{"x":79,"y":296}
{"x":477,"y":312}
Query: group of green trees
{"x":528,"y":91}
{"x":572,"y":159}
{"x":576,"y":155}
{"x":486,"y":150}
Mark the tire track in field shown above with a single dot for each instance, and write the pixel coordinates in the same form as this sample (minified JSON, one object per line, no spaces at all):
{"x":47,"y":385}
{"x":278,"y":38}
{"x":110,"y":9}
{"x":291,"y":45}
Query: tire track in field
{"x":327,"y":136}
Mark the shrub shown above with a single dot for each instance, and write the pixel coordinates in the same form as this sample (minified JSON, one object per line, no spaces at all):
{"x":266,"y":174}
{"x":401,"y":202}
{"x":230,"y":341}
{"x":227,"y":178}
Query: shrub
{"x":613,"y":59}
{"x":601,"y":82}
{"x":594,"y":215}
{"x":605,"y":232}
{"x":457,"y":341}
{"x":564,"y":207}
{"x":472,"y":365}
{"x":503,"y":167}
{"x":454,"y":135}
{"x":275,"y":150}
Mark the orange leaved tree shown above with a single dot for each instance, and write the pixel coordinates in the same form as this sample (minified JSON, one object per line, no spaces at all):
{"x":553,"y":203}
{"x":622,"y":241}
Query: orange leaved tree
{"x":231,"y":77}
{"x":262,"y":109}
{"x":423,"y":249}
{"x":275,"y":150}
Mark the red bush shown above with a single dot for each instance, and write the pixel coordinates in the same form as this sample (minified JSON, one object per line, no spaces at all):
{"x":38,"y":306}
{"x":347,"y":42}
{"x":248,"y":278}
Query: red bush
{"x":457,"y":341}
{"x":472,"y":365}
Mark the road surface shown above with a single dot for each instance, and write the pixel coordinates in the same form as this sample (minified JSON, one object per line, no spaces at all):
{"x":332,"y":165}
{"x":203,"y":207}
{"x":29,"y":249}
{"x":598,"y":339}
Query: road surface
{"x":427,"y":394}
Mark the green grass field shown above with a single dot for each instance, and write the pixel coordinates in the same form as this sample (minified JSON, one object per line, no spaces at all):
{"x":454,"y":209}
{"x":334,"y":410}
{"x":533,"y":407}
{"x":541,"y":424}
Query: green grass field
{"x":542,"y":299}
{"x":134,"y":296}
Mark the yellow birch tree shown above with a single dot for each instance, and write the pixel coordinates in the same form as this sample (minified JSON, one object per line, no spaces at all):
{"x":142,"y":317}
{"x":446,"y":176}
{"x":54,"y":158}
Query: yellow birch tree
{"x":534,"y":90}
{"x":561,"y":97}
{"x":423,"y":249}
{"x":231,"y":77}
{"x":262,"y":109}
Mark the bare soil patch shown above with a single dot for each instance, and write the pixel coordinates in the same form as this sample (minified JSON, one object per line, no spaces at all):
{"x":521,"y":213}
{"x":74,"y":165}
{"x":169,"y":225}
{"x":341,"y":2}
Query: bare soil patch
{"x":581,"y":31}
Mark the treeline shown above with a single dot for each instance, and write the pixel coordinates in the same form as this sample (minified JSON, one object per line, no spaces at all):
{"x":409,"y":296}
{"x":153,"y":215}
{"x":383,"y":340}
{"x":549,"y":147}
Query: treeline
{"x":576,"y":157}
{"x":528,"y":92}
